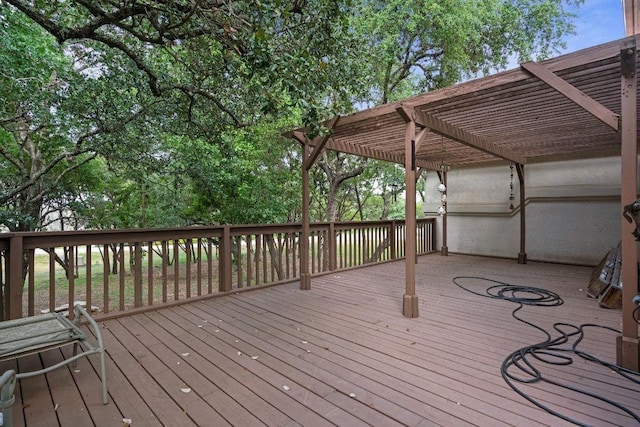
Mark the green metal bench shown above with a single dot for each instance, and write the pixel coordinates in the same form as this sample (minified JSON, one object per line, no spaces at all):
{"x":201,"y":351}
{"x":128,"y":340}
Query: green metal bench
{"x":29,"y":335}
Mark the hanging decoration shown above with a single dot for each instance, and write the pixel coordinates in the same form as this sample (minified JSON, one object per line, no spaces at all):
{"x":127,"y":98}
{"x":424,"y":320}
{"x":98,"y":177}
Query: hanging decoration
{"x":442,"y":209}
{"x":511,"y":198}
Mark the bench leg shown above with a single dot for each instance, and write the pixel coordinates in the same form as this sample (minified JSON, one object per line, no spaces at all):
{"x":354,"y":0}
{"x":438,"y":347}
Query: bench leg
{"x":75,"y":351}
{"x":7,"y":386}
{"x":103,"y":377}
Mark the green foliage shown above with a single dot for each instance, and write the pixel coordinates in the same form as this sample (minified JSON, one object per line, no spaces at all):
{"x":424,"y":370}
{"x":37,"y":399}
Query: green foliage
{"x":244,"y":178}
{"x":165,"y":113}
{"x":414,"y":45}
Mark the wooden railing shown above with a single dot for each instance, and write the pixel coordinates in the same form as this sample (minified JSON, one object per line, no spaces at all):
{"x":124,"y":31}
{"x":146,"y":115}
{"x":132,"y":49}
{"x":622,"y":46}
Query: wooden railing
{"x":117,"y":270}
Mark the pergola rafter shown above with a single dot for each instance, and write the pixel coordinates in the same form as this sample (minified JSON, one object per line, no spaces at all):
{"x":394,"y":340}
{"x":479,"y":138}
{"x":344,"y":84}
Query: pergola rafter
{"x":459,"y":135}
{"x":598,"y":110}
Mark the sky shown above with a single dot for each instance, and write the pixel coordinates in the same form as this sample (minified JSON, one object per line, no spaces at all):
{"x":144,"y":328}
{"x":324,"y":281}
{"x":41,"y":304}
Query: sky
{"x":598,"y":21}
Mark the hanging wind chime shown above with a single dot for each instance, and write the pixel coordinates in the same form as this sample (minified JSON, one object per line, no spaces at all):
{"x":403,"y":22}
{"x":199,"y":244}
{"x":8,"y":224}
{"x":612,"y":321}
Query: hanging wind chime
{"x":511,"y":198}
{"x":442,"y":209}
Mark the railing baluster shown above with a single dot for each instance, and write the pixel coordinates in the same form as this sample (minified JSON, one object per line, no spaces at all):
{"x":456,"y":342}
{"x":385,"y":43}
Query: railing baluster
{"x":257,"y":257}
{"x":188,"y":246}
{"x":31,"y":254}
{"x":121,"y":272}
{"x":71,"y":273}
{"x":150,"y":271}
{"x":238,"y":252}
{"x":312,"y":248}
{"x":295,"y":254}
{"x":249,"y":260}
{"x":88,"y":277}
{"x":137,"y":274}
{"x":176,"y":270}
{"x":279,"y":252}
{"x":264,"y":260}
{"x":105,"y":278}
{"x":287,"y":253}
{"x":165,"y":262}
{"x":199,"y":267}
{"x":209,"y":266}
{"x":3,"y":267}
{"x":52,"y":279}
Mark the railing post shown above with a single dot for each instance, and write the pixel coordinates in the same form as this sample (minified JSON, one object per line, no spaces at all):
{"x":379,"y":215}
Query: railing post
{"x":224,"y":284}
{"x":333,"y":255}
{"x":14,"y":279}
{"x":392,"y":240}
{"x":137,"y":275}
{"x":432,"y":227}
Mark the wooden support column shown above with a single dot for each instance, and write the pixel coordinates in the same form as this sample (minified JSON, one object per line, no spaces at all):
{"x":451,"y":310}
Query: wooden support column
{"x":305,"y":275}
{"x":410,"y":300}
{"x":308,"y":160}
{"x":627,"y":343}
{"x":522,"y":255}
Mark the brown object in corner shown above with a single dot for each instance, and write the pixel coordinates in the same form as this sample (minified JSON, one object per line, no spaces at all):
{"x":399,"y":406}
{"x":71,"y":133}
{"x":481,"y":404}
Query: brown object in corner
{"x":601,"y":276}
{"x":612,"y":295}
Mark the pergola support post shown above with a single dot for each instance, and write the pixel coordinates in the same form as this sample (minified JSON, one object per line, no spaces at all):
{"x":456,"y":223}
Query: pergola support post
{"x":627,"y":343}
{"x":410,"y":299}
{"x":308,"y":160}
{"x":522,"y":255}
{"x":305,"y":275}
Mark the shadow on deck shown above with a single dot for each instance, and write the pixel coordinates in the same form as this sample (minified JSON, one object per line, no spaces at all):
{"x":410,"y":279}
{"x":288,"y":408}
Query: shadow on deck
{"x":341,"y":354}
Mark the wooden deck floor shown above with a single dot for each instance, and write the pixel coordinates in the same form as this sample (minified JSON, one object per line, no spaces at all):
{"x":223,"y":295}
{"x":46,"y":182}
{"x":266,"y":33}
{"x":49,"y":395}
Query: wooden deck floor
{"x":340,"y":354}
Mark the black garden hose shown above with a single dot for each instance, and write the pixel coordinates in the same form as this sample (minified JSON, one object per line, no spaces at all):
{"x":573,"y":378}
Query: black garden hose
{"x":551,"y":351}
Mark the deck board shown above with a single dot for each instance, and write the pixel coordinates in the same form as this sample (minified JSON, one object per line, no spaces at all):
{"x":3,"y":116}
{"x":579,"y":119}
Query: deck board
{"x":345,"y":337}
{"x":400,"y":342}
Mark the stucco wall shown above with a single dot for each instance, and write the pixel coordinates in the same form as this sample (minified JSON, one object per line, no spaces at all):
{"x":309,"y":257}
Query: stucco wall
{"x":572,"y":211}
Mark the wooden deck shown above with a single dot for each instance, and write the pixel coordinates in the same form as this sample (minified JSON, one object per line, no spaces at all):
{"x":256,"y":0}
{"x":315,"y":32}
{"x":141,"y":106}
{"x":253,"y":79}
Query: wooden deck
{"x":340,"y":354}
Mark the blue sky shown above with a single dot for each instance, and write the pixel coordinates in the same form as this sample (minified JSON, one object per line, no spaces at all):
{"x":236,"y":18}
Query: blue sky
{"x":598,"y":21}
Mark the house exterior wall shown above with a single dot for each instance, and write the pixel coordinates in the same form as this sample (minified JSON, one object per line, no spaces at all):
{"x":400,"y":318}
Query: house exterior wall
{"x":573,"y":210}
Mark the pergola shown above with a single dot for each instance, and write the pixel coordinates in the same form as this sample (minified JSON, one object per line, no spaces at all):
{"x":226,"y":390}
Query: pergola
{"x":583,"y":102}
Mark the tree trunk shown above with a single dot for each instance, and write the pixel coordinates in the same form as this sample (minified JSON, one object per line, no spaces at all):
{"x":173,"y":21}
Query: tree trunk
{"x":275,"y":254}
{"x":336,"y":176}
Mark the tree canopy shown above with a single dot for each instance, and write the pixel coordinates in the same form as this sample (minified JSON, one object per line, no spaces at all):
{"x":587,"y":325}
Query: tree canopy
{"x":116,"y":111}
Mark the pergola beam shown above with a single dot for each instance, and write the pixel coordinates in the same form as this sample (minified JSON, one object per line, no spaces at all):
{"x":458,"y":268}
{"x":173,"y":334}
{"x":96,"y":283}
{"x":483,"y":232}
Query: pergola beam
{"x":319,"y":143}
{"x":457,"y":134}
{"x":421,"y":137}
{"x":297,"y":135}
{"x":574,"y":94}
{"x":357,"y":150}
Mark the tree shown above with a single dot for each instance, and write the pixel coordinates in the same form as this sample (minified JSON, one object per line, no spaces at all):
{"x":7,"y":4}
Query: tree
{"x":202,"y":70}
{"x":415,"y":46}
{"x":212,"y":67}
{"x":246,"y":178}
{"x":192,"y":47}
{"x":55,"y":119}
